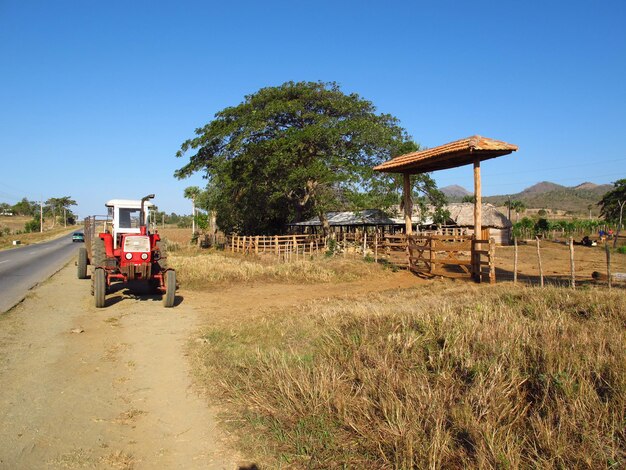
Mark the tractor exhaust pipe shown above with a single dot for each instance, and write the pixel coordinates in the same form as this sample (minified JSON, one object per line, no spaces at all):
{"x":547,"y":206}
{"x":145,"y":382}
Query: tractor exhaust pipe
{"x":142,"y":213}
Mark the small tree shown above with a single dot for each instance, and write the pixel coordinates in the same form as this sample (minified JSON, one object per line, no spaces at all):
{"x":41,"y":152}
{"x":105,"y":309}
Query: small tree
{"x":192,"y":192}
{"x":612,"y":205}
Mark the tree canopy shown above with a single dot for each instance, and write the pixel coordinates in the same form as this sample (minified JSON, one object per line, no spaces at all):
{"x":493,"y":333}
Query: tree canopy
{"x":610,"y":204}
{"x":300,"y":149}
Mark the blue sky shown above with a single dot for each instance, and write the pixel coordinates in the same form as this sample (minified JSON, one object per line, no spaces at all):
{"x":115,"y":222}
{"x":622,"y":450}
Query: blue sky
{"x":96,"y":97}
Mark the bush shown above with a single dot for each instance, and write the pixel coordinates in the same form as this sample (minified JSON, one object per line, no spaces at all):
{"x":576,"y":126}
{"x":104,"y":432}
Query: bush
{"x":32,"y":226}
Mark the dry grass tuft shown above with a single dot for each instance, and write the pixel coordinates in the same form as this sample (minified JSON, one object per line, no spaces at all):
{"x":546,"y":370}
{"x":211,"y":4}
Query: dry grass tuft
{"x":204,"y":269}
{"x":451,"y":377}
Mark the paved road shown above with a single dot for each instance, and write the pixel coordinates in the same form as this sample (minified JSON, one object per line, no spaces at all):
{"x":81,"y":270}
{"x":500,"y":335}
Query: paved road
{"x":24,"y":267}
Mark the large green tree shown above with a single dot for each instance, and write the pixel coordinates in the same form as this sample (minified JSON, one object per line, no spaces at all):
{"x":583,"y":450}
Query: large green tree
{"x":291,"y":151}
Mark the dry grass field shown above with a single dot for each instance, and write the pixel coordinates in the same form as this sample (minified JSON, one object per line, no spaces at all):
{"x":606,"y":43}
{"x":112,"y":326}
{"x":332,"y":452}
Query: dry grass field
{"x":12,"y":227}
{"x":431,"y":374}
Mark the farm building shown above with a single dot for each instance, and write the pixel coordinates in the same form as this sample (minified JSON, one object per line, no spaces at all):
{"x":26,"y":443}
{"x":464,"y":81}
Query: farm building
{"x":461,"y":221}
{"x":350,"y":220}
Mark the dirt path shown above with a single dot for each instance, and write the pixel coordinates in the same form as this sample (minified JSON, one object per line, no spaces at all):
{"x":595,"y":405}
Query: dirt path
{"x":114,"y":396}
{"x":118,"y":394}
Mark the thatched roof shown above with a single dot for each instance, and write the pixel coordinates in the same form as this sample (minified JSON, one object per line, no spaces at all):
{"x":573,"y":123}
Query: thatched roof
{"x":462,"y":214}
{"x":457,"y":153}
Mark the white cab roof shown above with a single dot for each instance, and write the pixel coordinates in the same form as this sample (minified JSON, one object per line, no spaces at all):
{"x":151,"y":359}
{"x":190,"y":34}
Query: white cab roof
{"x":128,"y":203}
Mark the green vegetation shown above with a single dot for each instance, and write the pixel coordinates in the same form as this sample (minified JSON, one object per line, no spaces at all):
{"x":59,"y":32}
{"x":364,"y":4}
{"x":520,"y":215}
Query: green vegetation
{"x":296,"y":150}
{"x":55,"y":209}
{"x":529,"y":228}
{"x":433,"y":377}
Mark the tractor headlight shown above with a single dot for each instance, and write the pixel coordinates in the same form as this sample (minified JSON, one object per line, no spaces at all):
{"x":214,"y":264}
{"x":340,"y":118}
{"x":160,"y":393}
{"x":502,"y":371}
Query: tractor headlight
{"x":144,"y":256}
{"x":129,"y":256}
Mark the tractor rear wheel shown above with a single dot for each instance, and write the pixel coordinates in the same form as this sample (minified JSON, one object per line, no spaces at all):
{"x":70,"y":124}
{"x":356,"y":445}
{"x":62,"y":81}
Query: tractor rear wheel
{"x":170,"y":288}
{"x":99,"y":253}
{"x":99,"y":287}
{"x":81,"y":269}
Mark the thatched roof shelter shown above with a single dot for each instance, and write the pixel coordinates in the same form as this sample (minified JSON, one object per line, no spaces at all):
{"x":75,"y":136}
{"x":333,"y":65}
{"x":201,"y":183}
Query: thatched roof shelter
{"x":457,"y":153}
{"x":473,"y":150}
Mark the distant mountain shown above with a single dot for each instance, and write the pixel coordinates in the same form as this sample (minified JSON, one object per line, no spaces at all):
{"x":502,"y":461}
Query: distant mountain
{"x":455,"y":191}
{"x":543,"y":187}
{"x":547,"y":195}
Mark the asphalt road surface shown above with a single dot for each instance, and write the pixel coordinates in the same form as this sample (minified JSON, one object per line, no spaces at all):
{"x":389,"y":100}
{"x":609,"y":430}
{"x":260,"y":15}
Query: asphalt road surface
{"x":24,"y":267}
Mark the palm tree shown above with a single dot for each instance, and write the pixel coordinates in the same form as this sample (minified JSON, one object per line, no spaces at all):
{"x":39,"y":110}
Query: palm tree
{"x":518,"y":206}
{"x":192,"y":192}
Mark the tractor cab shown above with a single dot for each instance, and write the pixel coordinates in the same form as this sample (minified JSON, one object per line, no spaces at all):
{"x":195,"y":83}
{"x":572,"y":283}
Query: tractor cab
{"x":126,"y":216}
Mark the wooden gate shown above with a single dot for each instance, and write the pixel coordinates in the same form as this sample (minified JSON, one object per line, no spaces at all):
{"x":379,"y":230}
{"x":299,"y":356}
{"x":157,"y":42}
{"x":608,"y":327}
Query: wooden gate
{"x":452,"y":256}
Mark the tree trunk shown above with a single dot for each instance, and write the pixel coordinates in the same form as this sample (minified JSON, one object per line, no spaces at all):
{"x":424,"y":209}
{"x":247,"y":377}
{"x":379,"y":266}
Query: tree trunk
{"x":619,"y":225}
{"x":325,"y":224}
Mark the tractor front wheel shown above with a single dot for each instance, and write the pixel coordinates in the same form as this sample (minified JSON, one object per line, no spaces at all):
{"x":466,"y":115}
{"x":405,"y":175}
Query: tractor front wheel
{"x":170,"y":288}
{"x":81,"y":269}
{"x":100,"y":287}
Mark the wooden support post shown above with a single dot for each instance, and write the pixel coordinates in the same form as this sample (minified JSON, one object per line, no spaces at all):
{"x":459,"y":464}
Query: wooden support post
{"x":256,"y":245}
{"x":515,"y":260}
{"x":232,"y":243}
{"x":477,"y":217}
{"x":276,"y":246}
{"x":539,"y":259}
{"x":364,"y":243}
{"x":571,"y":263}
{"x":608,"y":262}
{"x":345,"y":245}
{"x":243,"y":246}
{"x":376,"y":246}
{"x":408,"y":204}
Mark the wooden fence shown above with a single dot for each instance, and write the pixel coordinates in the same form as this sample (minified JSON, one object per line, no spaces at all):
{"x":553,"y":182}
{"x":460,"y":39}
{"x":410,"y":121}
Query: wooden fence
{"x":279,"y":245}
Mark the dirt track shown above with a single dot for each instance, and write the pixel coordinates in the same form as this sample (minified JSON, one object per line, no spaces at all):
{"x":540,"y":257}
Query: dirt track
{"x":116,"y":395}
{"x":119,"y":393}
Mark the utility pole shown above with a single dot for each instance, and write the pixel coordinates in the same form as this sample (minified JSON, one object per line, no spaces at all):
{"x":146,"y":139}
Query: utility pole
{"x":193,"y":216}
{"x":64,"y":217}
{"x":41,"y":216}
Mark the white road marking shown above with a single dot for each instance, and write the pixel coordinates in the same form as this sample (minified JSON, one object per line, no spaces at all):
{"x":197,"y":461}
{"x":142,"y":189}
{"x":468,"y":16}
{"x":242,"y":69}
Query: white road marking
{"x":5,"y":261}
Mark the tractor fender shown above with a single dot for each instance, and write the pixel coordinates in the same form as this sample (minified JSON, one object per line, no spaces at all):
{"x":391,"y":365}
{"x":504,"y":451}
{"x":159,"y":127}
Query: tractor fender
{"x":108,"y":244}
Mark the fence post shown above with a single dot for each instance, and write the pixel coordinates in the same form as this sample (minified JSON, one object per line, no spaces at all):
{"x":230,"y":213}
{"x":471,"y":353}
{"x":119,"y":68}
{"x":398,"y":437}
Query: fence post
{"x":256,"y":245}
{"x":431,"y":255}
{"x":243,"y":247}
{"x":539,"y":258}
{"x":492,"y":261}
{"x":515,"y":260}
{"x":276,"y":244}
{"x":232,"y":243}
{"x":571,"y":263}
{"x":608,"y":262}
{"x":345,"y":245}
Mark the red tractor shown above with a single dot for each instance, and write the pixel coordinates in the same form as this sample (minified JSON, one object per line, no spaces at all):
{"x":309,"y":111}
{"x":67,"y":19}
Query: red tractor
{"x":122,"y":250}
